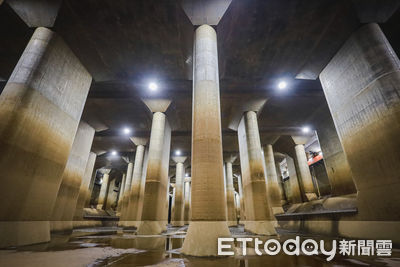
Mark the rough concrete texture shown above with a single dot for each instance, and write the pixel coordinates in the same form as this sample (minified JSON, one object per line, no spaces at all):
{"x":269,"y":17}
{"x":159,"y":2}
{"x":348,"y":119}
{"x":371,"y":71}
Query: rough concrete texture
{"x":44,"y":97}
{"x":259,"y":216}
{"x":112,"y":195}
{"x":303,"y":173}
{"x":274,"y":191}
{"x":242,"y":205}
{"x":103,"y":190}
{"x":178,"y":201}
{"x":84,"y":192}
{"x":362,"y":87}
{"x":67,"y":197}
{"x":280,"y":180}
{"x":133,"y":198}
{"x":294,"y":195}
{"x":125,"y":195}
{"x":208,"y":203}
{"x":121,"y":194}
{"x":186,"y":211}
{"x":336,"y":164}
{"x":230,"y":195}
{"x":155,"y":206}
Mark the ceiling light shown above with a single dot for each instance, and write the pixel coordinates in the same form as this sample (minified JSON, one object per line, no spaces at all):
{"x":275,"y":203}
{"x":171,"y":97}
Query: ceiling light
{"x":153,"y":86}
{"x":282,"y":85}
{"x":305,"y":129}
{"x":126,"y":130}
{"x":187,"y":175}
{"x":113,"y":153}
{"x":178,"y":152}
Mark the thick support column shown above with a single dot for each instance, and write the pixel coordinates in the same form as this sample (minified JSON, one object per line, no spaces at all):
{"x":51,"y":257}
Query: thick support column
{"x":154,"y":218}
{"x":40,"y":109}
{"x":242,"y":205}
{"x":67,"y":197}
{"x":112,"y":195}
{"x":125,"y":196}
{"x":84,"y":192}
{"x":132,"y":219}
{"x":92,"y":181}
{"x":103,"y":189}
{"x":237,"y":206}
{"x":177,"y":215}
{"x":259,"y":216}
{"x":121,"y":194}
{"x":230,"y":194}
{"x":274,"y":191}
{"x":295,"y":193}
{"x":362,"y":87}
{"x":186,"y":212}
{"x":208,"y":220}
{"x":280,"y":181}
{"x":304,"y":172}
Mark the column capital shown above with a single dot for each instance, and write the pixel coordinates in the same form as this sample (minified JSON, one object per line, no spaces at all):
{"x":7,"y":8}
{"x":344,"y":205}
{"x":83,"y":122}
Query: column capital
{"x":139,"y":140}
{"x":105,"y":171}
{"x":157,"y":104}
{"x":179,"y":159}
{"x":188,"y":179}
{"x":269,"y":139}
{"x":301,"y":139}
{"x":230,"y":158}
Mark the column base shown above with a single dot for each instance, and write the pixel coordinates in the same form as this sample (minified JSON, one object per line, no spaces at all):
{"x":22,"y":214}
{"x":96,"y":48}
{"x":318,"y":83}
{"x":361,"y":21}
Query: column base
{"x":260,"y":227}
{"x":22,"y":233}
{"x":130,"y":225}
{"x":232,"y":223}
{"x":152,"y":227}
{"x":277,"y":210}
{"x":202,"y":238}
{"x":61,"y":226}
{"x":311,"y":196}
{"x":99,"y":206}
{"x":177,"y":223}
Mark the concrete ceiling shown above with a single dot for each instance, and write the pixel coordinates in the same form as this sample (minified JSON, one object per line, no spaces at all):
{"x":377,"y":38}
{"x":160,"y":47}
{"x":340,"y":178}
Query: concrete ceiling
{"x":126,"y":44}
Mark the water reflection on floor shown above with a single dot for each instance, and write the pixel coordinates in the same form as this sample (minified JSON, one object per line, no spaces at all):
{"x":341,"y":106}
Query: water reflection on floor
{"x":164,"y":250}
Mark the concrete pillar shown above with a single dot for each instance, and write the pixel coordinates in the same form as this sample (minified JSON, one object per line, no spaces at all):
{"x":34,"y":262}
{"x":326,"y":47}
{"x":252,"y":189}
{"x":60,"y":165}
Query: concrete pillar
{"x":177,"y":216}
{"x":186,"y":212}
{"x":303,"y":173}
{"x":283,"y":198}
{"x":230,"y":193}
{"x":132,"y":219}
{"x":259,"y":216}
{"x":67,"y":197}
{"x":295,"y":193}
{"x":40,"y":109}
{"x":84,"y":192}
{"x":112,"y":195}
{"x":362,"y":87}
{"x":154,"y":217}
{"x":242,"y":205}
{"x":92,"y":181}
{"x":103,"y":190}
{"x":237,"y":206}
{"x":125,"y":196}
{"x":143,"y":184}
{"x":274,"y":191}
{"x":121,"y":194}
{"x":208,"y":220}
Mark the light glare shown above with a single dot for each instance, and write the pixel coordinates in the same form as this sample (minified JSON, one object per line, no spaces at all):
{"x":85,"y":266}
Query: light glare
{"x":153,"y":86}
{"x":305,"y":129}
{"x":113,"y":153}
{"x":178,"y":152}
{"x":127,"y":130}
{"x":282,"y":85}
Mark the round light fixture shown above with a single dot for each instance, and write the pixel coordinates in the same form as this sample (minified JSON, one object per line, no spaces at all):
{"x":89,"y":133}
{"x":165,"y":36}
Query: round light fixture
{"x":153,"y":86}
{"x":178,"y":152}
{"x":126,"y":130}
{"x":305,"y":129}
{"x":282,"y":85}
{"x":113,"y":153}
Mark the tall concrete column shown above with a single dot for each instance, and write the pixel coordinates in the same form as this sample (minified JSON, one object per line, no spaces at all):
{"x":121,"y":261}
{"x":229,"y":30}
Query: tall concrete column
{"x":121,"y":193}
{"x":132,"y":219}
{"x":40,"y":109}
{"x":295,"y":193}
{"x":283,"y":198}
{"x":208,"y":220}
{"x":362,"y":87}
{"x":126,"y":193}
{"x":103,"y":189}
{"x":230,"y":193}
{"x":177,"y":216}
{"x":84,"y":192}
{"x":154,"y":218}
{"x":259,"y":216}
{"x":303,"y":170}
{"x":274,"y":190}
{"x":92,"y":181}
{"x":67,"y":197}
{"x":237,"y":205}
{"x":186,"y":212}
{"x":242,"y":206}
{"x":112,"y":195}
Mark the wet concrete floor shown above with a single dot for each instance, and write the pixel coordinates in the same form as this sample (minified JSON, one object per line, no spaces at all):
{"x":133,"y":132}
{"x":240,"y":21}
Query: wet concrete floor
{"x":108,"y":246}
